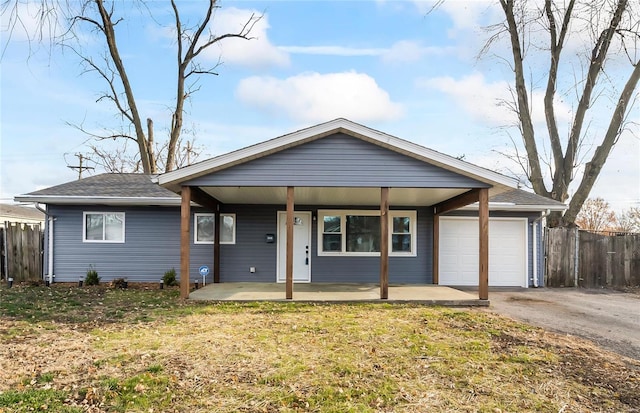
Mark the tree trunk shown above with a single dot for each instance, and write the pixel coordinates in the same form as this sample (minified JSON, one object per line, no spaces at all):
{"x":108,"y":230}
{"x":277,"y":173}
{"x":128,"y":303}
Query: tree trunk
{"x":110,"y":35}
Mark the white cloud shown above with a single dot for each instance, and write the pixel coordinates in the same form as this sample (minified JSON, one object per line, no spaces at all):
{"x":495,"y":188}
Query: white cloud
{"x":402,"y":51}
{"x":475,"y":96}
{"x":25,"y":21}
{"x":316,"y":97}
{"x":333,"y":50}
{"x":489,"y":102}
{"x":407,"y":51}
{"x":257,"y":53}
{"x":469,"y":15}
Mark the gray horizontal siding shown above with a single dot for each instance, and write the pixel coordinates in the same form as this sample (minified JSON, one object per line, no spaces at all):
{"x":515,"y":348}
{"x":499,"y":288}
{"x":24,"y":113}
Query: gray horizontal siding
{"x":338,"y":160}
{"x":531,"y":216}
{"x":151,"y":247}
{"x":251,"y":250}
{"x":402,"y":270}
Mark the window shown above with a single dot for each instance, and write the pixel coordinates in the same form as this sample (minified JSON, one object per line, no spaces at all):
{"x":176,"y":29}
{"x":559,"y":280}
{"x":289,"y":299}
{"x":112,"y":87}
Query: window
{"x":401,"y":234}
{"x":204,"y":225}
{"x":358,"y":233}
{"x":363,"y":233}
{"x":103,"y":227}
{"x":332,"y":233}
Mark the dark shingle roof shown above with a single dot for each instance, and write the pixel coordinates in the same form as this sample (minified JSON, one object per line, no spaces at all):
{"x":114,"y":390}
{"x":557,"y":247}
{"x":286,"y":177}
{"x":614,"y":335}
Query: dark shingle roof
{"x":109,"y":185}
{"x":131,"y":186}
{"x":520,"y":197}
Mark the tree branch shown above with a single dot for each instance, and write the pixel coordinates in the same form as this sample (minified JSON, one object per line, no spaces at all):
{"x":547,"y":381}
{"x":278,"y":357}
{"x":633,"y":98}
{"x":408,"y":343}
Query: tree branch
{"x":598,"y":55}
{"x":592,"y":169}
{"x":524,"y":111}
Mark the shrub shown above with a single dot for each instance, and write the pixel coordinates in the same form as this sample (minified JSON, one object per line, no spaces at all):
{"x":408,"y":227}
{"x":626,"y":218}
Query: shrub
{"x":169,"y":278}
{"x":119,"y":283}
{"x":92,"y":277}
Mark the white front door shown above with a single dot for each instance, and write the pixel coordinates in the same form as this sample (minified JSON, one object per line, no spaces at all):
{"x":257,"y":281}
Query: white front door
{"x":301,"y":247}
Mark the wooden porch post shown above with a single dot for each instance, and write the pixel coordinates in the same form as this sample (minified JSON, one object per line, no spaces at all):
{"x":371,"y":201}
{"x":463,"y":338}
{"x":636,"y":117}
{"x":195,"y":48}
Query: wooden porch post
{"x":483,"y":215}
{"x":384,"y":243}
{"x":216,"y":246}
{"x":436,"y":249}
{"x":289,"y":267}
{"x":203,"y":198}
{"x":185,"y":237}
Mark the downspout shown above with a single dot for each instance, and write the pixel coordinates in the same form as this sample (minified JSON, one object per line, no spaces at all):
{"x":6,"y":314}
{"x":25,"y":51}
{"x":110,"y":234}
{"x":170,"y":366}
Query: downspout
{"x":543,"y":215}
{"x":50,"y":219}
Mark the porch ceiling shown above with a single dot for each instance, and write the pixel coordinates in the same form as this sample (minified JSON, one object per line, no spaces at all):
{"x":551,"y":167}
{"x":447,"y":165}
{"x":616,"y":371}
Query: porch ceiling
{"x":332,"y":195}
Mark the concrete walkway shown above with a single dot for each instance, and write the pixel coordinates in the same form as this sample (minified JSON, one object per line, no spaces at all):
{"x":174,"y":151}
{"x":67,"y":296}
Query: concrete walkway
{"x":320,"y":292}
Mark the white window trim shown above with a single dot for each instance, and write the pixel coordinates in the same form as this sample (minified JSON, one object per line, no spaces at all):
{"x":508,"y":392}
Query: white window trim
{"x":195,"y":228}
{"x":102,"y":241}
{"x":342,"y":213}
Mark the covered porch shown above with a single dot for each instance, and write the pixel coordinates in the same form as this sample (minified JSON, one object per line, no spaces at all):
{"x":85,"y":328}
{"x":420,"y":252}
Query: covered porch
{"x":338,"y":293}
{"x":354,"y":185}
{"x":209,"y":197}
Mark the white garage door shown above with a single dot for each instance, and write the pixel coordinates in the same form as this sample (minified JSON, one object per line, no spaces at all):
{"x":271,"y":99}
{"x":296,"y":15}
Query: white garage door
{"x":507,"y":251}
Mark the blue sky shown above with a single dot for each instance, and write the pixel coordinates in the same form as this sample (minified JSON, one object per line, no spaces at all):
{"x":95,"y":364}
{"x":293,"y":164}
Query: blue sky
{"x":385,"y":64}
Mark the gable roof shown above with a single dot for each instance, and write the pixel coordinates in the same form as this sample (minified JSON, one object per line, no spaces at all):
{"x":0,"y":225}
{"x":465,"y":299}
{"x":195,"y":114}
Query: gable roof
{"x":106,"y":188}
{"x":173,"y":179}
{"x":519,"y":200}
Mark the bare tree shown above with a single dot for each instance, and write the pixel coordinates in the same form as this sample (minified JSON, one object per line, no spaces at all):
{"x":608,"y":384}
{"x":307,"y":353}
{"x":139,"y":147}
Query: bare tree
{"x":629,"y":220}
{"x":596,"y":215}
{"x":115,"y":157}
{"x":614,"y":29}
{"x":100,"y":16}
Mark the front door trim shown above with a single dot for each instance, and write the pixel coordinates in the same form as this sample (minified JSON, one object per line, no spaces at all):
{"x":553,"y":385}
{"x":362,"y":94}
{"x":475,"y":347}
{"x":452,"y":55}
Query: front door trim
{"x":281,"y":243}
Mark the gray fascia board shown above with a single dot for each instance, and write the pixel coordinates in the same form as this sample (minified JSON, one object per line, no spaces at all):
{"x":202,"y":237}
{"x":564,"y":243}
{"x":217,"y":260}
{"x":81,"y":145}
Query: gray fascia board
{"x":90,"y":200}
{"x":512,"y":207}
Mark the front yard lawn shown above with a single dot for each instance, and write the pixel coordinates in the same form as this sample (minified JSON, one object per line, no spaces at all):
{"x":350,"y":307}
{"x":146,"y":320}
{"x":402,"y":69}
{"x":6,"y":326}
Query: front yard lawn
{"x":96,"y":349}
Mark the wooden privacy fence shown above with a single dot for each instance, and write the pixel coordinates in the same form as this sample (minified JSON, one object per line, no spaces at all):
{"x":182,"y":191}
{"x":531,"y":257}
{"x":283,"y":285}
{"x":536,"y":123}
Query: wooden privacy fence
{"x":21,"y":248}
{"x":576,"y":258}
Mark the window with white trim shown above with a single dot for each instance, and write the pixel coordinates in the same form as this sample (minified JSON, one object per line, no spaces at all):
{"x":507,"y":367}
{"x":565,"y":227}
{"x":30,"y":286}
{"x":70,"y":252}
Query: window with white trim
{"x":357,"y":232}
{"x":204,"y":225}
{"x":103,"y":227}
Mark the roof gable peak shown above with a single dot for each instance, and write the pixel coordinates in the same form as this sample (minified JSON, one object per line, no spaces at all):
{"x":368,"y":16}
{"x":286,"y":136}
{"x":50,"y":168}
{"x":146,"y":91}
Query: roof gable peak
{"x":172,"y":180}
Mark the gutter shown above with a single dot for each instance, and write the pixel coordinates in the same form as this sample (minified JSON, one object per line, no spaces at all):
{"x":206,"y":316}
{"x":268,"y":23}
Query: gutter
{"x":49,"y":227}
{"x":99,"y":200}
{"x":536,"y":281}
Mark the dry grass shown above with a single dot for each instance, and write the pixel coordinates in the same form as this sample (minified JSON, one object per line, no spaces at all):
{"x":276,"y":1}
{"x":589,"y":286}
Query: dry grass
{"x":94,"y":349}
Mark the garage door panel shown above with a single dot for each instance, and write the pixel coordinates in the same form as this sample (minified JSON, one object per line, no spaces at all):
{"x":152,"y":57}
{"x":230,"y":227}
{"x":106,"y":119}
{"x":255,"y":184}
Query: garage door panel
{"x":459,"y":251}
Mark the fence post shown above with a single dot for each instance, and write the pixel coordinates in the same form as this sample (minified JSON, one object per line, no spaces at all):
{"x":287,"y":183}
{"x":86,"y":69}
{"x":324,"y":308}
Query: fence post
{"x":576,"y":259}
{"x":5,"y":250}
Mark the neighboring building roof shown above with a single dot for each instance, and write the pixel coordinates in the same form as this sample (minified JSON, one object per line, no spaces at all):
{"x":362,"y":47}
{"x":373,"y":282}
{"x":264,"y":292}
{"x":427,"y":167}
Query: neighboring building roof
{"x":173,"y":179}
{"x":20,"y":212}
{"x":107,"y":188}
{"x":519,"y":200}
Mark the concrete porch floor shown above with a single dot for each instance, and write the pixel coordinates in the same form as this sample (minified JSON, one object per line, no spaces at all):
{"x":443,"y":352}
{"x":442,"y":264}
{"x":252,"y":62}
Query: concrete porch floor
{"x":334,"y":292}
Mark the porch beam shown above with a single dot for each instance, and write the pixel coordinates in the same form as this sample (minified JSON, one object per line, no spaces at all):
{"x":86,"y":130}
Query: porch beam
{"x":483,"y":222}
{"x":456,"y":202}
{"x":216,"y":247}
{"x":436,"y":249}
{"x":289,"y":265}
{"x":384,"y":243}
{"x":185,"y":238}
{"x":200,"y":197}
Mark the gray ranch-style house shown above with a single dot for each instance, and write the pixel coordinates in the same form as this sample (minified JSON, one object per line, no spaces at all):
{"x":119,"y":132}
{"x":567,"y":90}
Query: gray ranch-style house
{"x":334,"y":203}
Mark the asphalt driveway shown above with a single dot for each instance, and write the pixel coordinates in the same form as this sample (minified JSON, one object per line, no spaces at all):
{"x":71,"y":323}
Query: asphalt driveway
{"x":607,"y":317}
